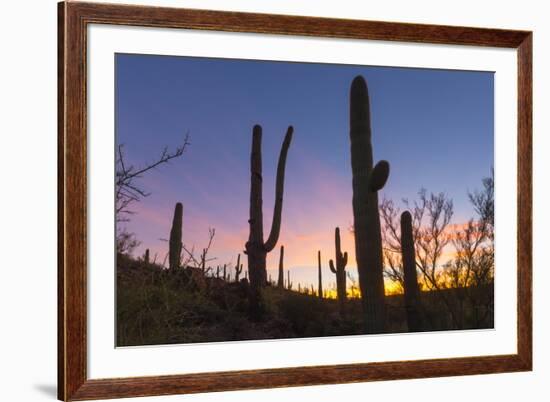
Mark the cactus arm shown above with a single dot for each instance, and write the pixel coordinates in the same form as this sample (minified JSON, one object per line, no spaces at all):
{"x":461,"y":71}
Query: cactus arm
{"x":331,"y":266}
{"x":379,"y":175}
{"x":345,"y":260}
{"x":279,"y":188}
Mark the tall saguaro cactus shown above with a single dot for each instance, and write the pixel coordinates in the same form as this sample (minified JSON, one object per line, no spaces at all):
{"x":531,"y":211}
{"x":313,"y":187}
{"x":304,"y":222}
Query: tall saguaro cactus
{"x":367,"y":181}
{"x":256,"y":248}
{"x":320,"y":275}
{"x":280,"y":279}
{"x":412,"y":303}
{"x":339,"y":269}
{"x":175,"y":245}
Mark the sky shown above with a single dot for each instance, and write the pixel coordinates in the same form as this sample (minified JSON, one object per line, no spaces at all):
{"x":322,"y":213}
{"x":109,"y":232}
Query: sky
{"x":435,"y":127}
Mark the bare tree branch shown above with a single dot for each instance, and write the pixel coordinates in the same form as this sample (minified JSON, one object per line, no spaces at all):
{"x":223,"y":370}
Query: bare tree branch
{"x":127,"y":190}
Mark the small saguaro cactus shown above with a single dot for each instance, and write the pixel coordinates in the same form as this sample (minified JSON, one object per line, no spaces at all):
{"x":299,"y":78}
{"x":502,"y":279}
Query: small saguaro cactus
{"x":320,"y":275}
{"x":367,"y":181}
{"x":339,"y":269}
{"x":225,"y":272}
{"x":175,"y":245}
{"x":218,"y":271}
{"x":412,"y":303}
{"x":288,"y":283}
{"x":280,"y":279}
{"x":256,"y":248}
{"x":203,"y":261}
{"x":238,"y":268}
{"x":146,"y":256}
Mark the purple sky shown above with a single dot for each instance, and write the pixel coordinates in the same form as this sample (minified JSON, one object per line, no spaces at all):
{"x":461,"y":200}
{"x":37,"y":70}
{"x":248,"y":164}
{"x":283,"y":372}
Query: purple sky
{"x":435,"y":127}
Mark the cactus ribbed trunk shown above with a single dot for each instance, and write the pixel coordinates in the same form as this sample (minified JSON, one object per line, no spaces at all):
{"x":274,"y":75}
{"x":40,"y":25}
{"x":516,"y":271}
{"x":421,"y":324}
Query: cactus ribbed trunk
{"x":339,"y":269}
{"x":367,"y":180}
{"x":280,"y":279}
{"x":412,"y":304}
{"x":320,"y":275}
{"x":256,"y":248}
{"x":174,"y":246}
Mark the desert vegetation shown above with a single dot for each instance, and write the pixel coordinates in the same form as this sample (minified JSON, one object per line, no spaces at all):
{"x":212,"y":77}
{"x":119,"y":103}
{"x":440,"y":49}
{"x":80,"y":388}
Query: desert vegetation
{"x":441,"y":273}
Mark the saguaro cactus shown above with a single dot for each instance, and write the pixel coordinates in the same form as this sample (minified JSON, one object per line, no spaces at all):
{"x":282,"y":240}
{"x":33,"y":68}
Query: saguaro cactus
{"x":203,"y":261}
{"x":238,"y":268}
{"x":320,"y":275}
{"x":339,"y":269}
{"x":175,"y":245}
{"x":256,"y":248}
{"x":412,"y":303}
{"x":288,"y":283}
{"x":367,"y":181}
{"x":280,"y":279}
{"x":146,"y":256}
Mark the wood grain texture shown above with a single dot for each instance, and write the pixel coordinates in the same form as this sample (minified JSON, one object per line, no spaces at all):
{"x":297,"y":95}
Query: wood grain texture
{"x":73,"y":193}
{"x":525,"y":190}
{"x":299,"y":376}
{"x":73,"y":383}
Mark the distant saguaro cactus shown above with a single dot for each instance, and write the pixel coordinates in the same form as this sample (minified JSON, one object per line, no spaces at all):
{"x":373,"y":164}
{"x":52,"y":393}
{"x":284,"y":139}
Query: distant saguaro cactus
{"x":339,"y":269}
{"x":412,"y":303}
{"x":238,"y":268}
{"x":288,"y":283}
{"x":320,"y":275}
{"x":280,"y":279}
{"x":218,"y":271}
{"x":367,"y":181}
{"x":225,"y":272}
{"x":146,"y":256}
{"x":203,"y":261}
{"x":175,"y":245}
{"x":256,"y":248}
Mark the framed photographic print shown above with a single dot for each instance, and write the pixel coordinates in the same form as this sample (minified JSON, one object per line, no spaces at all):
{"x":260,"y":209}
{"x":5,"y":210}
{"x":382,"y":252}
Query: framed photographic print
{"x":251,"y":201}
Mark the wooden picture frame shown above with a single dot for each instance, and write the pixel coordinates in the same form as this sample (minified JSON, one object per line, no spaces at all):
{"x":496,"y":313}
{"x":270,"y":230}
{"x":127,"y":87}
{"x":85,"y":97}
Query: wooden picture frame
{"x":74,"y":17}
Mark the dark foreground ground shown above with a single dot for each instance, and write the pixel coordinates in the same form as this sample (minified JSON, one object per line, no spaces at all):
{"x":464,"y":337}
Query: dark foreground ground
{"x":156,"y":306}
